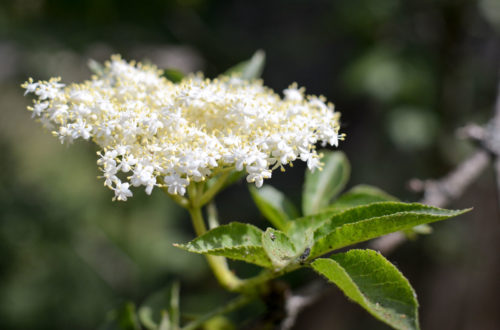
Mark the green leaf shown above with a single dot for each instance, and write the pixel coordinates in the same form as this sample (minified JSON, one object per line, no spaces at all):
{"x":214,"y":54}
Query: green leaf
{"x":127,"y":318}
{"x":236,"y":240}
{"x":173,"y":75}
{"x":174,"y":306}
{"x":366,"y":277}
{"x":278,"y":247}
{"x":218,"y":323}
{"x":365,"y":194}
{"x":361,"y":195}
{"x":274,"y":205}
{"x":250,"y":69}
{"x":298,"y":227}
{"x":369,"y":221}
{"x":165,"y":321}
{"x":146,"y":317}
{"x":322,"y":186}
{"x":301,"y":232}
{"x":95,"y":67}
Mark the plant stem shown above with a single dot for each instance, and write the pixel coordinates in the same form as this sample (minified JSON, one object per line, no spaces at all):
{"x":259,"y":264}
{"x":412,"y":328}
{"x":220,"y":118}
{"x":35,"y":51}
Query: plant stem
{"x":181,"y":201}
{"x":231,"y":306}
{"x":214,"y":189}
{"x":218,"y":264}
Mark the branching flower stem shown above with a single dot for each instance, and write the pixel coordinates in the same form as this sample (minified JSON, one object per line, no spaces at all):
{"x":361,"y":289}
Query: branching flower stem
{"x":198,"y":196}
{"x":215,"y":188}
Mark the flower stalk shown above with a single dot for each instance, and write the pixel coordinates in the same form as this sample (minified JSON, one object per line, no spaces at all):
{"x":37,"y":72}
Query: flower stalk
{"x":218,"y":264}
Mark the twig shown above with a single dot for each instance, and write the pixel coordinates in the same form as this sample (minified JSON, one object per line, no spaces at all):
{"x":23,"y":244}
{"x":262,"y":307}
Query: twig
{"x":297,"y":302}
{"x":441,"y":192}
{"x":495,"y":142}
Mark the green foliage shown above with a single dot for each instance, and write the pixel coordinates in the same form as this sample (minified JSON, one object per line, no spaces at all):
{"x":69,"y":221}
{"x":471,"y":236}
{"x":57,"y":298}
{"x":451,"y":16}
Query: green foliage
{"x":174,"y":307}
{"x":300,"y":227}
{"x":127,"y":318}
{"x":274,"y":205}
{"x":373,"y":220}
{"x":330,"y":231}
{"x":150,"y":316}
{"x":173,"y":75}
{"x":250,"y":69}
{"x":361,"y":195}
{"x":367,"y":278}
{"x":362,"y":213}
{"x":279,"y":248}
{"x":165,"y":323}
{"x":239,"y":241}
{"x":321,"y":187}
{"x":218,"y":323}
{"x":145,"y":315}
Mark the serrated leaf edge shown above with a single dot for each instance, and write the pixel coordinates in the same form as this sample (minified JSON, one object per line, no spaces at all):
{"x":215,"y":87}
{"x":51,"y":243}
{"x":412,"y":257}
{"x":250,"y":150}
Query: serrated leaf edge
{"x":365,"y":300}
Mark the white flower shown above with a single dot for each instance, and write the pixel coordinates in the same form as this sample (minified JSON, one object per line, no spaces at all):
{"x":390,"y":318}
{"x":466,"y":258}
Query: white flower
{"x":122,"y":191}
{"x":48,"y":90}
{"x":176,"y":184}
{"x":151,"y":127}
{"x":39,"y":107}
{"x":293,"y":93}
{"x":144,"y":176}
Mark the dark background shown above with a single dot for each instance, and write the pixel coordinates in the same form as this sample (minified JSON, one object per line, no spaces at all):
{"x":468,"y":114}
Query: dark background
{"x":404,"y":74}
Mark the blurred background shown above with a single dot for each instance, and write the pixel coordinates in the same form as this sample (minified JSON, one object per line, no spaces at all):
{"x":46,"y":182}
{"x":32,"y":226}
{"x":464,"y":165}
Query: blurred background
{"x":404,"y":74}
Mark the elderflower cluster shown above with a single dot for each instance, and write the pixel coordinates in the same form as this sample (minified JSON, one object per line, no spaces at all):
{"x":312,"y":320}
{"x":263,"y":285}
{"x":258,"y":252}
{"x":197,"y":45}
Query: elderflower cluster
{"x":153,"y":132}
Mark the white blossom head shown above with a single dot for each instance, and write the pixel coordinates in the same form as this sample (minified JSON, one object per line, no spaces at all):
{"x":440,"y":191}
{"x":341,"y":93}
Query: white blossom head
{"x":153,"y":132}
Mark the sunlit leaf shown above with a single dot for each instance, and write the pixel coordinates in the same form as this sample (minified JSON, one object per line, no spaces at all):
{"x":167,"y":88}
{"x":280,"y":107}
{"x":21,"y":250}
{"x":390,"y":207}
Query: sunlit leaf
{"x":278,"y":247}
{"x":366,"y":222}
{"x":367,"y":278}
{"x":236,"y":240}
{"x":299,"y":227}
